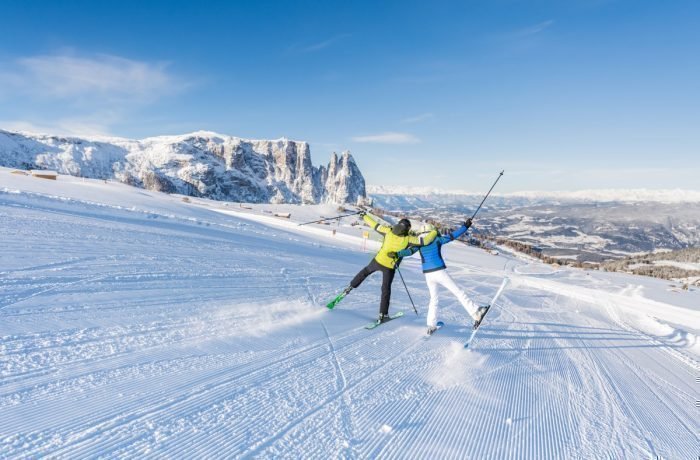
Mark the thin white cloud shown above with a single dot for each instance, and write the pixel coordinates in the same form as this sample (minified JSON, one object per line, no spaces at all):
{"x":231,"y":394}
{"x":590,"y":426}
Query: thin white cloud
{"x":22,"y":125}
{"x":61,"y":127}
{"x":533,"y":30}
{"x":418,"y":118}
{"x":388,"y":138}
{"x":71,"y":94}
{"x":105,"y":76}
{"x":319,"y":45}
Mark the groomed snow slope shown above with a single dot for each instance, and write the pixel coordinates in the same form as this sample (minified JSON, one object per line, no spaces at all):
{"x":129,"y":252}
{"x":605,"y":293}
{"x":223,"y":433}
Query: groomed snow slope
{"x":135,"y":325}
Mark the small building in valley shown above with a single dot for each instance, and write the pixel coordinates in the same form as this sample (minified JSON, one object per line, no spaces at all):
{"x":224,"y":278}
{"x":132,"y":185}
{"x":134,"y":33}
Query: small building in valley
{"x":41,"y":174}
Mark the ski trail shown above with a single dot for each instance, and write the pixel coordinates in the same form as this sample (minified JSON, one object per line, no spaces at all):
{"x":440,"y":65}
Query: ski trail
{"x":40,"y":292}
{"x":207,"y":337}
{"x":260,"y":448}
{"x":345,"y":407}
{"x":97,"y":432}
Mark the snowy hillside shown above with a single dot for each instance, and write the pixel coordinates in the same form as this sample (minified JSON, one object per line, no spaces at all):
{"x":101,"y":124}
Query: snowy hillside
{"x":682,"y":266}
{"x":136,"y":325}
{"x":200,"y":164}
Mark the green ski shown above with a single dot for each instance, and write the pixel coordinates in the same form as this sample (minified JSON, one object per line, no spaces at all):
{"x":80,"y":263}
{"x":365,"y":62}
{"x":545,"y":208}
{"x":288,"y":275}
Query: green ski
{"x":337,"y":300}
{"x":376,"y":323}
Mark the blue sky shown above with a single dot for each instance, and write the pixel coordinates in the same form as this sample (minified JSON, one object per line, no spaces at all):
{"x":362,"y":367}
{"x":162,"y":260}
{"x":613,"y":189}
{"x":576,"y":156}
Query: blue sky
{"x":563,"y":95}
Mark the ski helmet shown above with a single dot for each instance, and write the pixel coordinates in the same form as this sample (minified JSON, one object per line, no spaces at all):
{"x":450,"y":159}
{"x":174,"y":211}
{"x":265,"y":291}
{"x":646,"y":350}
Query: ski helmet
{"x":402,"y":227}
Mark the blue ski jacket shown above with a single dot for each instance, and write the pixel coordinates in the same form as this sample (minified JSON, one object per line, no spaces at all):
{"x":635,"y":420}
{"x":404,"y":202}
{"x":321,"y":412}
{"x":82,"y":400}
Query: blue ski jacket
{"x":431,"y":255}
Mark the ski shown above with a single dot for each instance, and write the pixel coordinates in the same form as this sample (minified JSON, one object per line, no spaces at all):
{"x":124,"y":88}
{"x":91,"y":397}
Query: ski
{"x":337,"y":300}
{"x":375,"y":324}
{"x":488,"y":307}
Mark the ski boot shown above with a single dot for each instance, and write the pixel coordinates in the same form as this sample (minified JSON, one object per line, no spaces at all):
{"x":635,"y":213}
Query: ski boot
{"x":480,"y":315}
{"x":383,"y":318}
{"x":432,"y":329}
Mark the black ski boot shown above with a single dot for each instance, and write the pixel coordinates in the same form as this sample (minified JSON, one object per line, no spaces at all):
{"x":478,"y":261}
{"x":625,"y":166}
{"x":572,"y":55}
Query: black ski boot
{"x":480,"y":315}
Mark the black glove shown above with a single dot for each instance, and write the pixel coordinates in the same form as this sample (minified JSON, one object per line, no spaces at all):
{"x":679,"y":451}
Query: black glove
{"x":468,"y":222}
{"x":362,"y":213}
{"x":392,"y":255}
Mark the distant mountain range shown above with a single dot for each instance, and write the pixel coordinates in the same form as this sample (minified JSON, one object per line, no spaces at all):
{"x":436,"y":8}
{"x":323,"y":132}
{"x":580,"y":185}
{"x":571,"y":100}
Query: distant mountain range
{"x":203,"y":164}
{"x":582,"y":226}
{"x":575,"y":229}
{"x":428,"y":194}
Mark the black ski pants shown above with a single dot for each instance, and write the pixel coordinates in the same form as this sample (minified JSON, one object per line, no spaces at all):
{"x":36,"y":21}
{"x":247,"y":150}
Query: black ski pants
{"x":387,"y":278}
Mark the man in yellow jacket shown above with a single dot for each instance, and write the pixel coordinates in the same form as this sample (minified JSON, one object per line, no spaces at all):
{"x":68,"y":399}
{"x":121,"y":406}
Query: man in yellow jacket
{"x":396,"y":238}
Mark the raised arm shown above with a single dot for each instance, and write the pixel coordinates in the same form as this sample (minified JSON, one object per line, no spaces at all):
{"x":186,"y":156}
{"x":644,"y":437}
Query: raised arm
{"x":383,"y":229}
{"x":457,"y":233}
{"x":423,"y":240}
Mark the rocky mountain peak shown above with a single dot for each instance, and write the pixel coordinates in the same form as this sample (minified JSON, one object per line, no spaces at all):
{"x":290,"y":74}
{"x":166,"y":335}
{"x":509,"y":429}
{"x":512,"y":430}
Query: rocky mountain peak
{"x":202,"y":163}
{"x":344,"y":182}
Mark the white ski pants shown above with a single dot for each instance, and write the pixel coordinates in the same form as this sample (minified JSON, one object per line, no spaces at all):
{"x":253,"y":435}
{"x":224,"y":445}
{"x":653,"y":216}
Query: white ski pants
{"x":441,"y":277}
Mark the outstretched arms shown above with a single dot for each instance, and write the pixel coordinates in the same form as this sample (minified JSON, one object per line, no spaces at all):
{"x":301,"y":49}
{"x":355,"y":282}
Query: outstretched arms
{"x":457,"y":233}
{"x":423,"y":240}
{"x":414,"y":245}
{"x":383,"y":229}
{"x":408,"y":251}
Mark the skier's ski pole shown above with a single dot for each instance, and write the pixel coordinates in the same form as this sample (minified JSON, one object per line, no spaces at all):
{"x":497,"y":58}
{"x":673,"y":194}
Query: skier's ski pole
{"x":409,"y":294}
{"x":332,"y":218}
{"x":488,"y":193}
{"x":482,"y":202}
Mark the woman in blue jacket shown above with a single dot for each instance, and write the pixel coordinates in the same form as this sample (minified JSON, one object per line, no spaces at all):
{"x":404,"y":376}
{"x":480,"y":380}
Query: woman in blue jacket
{"x":436,"y":275}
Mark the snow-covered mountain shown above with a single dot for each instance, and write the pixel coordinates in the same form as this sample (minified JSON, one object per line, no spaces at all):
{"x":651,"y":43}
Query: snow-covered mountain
{"x":595,"y":195}
{"x":577,"y":229}
{"x":201,"y":164}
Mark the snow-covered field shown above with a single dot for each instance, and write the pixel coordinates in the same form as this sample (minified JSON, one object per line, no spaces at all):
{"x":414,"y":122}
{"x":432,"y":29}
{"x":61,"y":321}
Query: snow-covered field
{"x":133,"y":324}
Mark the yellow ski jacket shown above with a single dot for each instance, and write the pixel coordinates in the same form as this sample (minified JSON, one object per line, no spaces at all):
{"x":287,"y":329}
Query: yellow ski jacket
{"x":395,"y":243}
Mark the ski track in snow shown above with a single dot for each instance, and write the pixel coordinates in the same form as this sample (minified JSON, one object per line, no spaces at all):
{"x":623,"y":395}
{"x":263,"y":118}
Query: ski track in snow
{"x":129,"y":335}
